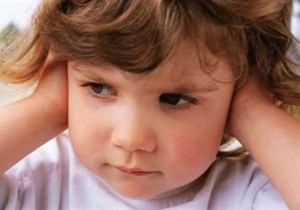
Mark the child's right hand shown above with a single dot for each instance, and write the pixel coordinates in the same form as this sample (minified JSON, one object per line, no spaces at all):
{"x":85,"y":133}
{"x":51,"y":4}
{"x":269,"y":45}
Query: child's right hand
{"x":36,"y":119}
{"x":52,"y":90}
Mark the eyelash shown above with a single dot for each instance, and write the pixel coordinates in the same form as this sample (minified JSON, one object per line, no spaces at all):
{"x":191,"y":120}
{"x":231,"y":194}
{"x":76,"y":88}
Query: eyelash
{"x":178,"y":97}
{"x":165,"y":98}
{"x":92,"y":85}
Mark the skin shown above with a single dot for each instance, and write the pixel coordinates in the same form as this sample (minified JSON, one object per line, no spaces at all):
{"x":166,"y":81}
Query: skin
{"x":271,"y":136}
{"x":123,"y":129}
{"x":36,"y":119}
{"x":251,"y":116}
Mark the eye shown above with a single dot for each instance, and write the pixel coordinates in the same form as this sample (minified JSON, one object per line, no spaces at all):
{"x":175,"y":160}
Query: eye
{"x":99,"y":89}
{"x":176,"y":99}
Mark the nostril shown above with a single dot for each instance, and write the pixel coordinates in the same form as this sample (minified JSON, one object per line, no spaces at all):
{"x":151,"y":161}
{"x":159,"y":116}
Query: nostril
{"x":134,"y":138}
{"x":133,"y":145}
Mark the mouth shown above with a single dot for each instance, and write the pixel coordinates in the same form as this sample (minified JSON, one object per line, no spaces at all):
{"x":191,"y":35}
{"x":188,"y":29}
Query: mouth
{"x":133,"y":171}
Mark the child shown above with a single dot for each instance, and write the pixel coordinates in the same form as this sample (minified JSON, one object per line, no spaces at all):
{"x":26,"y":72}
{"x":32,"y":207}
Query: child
{"x":145,"y":88}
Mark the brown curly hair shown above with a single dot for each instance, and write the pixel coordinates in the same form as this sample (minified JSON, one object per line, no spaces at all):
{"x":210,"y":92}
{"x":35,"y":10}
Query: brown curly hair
{"x":136,"y":36}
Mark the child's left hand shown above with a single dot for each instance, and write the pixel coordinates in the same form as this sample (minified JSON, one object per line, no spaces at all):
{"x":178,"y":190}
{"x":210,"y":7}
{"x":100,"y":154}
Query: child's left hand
{"x":247,"y":99}
{"x":270,"y":135}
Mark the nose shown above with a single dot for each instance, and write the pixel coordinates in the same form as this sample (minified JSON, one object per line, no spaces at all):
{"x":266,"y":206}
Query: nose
{"x":134,"y":133}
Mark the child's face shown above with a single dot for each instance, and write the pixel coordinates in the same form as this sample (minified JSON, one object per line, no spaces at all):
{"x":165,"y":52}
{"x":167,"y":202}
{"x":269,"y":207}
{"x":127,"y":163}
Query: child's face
{"x":148,"y":134}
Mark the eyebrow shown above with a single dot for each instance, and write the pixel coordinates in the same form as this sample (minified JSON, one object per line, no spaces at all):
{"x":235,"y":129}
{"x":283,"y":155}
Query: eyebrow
{"x":177,"y":87}
{"x":89,"y":72}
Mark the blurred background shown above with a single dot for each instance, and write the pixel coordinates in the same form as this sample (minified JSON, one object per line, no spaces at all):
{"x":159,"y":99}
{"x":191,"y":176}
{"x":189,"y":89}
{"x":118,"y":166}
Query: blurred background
{"x":15,"y":16}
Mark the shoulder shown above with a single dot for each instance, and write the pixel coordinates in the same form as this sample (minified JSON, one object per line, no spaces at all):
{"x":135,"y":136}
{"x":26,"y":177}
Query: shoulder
{"x":241,"y":184}
{"x":49,"y":157}
{"x":38,"y":175}
{"x":52,"y":178}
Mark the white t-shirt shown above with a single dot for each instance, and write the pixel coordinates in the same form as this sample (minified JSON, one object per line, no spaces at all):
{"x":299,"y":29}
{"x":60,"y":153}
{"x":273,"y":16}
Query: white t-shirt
{"x":51,"y":178}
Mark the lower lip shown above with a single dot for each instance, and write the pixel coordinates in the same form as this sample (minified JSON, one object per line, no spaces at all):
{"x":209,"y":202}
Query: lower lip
{"x":133,"y":172}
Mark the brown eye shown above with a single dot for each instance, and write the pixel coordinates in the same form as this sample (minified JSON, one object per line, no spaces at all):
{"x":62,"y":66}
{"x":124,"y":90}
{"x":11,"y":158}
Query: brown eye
{"x":175,"y":99}
{"x":100,"y":89}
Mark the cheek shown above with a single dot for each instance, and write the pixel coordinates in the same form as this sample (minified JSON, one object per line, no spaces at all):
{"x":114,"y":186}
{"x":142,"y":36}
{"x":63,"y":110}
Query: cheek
{"x":84,"y":131}
{"x":82,"y":117}
{"x":81,"y":133}
{"x":193,"y":145}
{"x":189,"y":160}
{"x":196,"y":149}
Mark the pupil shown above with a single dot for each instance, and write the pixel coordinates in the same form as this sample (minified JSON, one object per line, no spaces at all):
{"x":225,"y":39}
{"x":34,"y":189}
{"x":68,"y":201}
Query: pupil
{"x":97,"y":88}
{"x":172,"y":99}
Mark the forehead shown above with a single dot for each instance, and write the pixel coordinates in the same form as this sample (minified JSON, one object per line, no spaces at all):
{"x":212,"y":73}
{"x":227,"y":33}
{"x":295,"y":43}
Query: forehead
{"x":185,"y":63}
{"x":182,"y":69}
{"x":185,"y":67}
